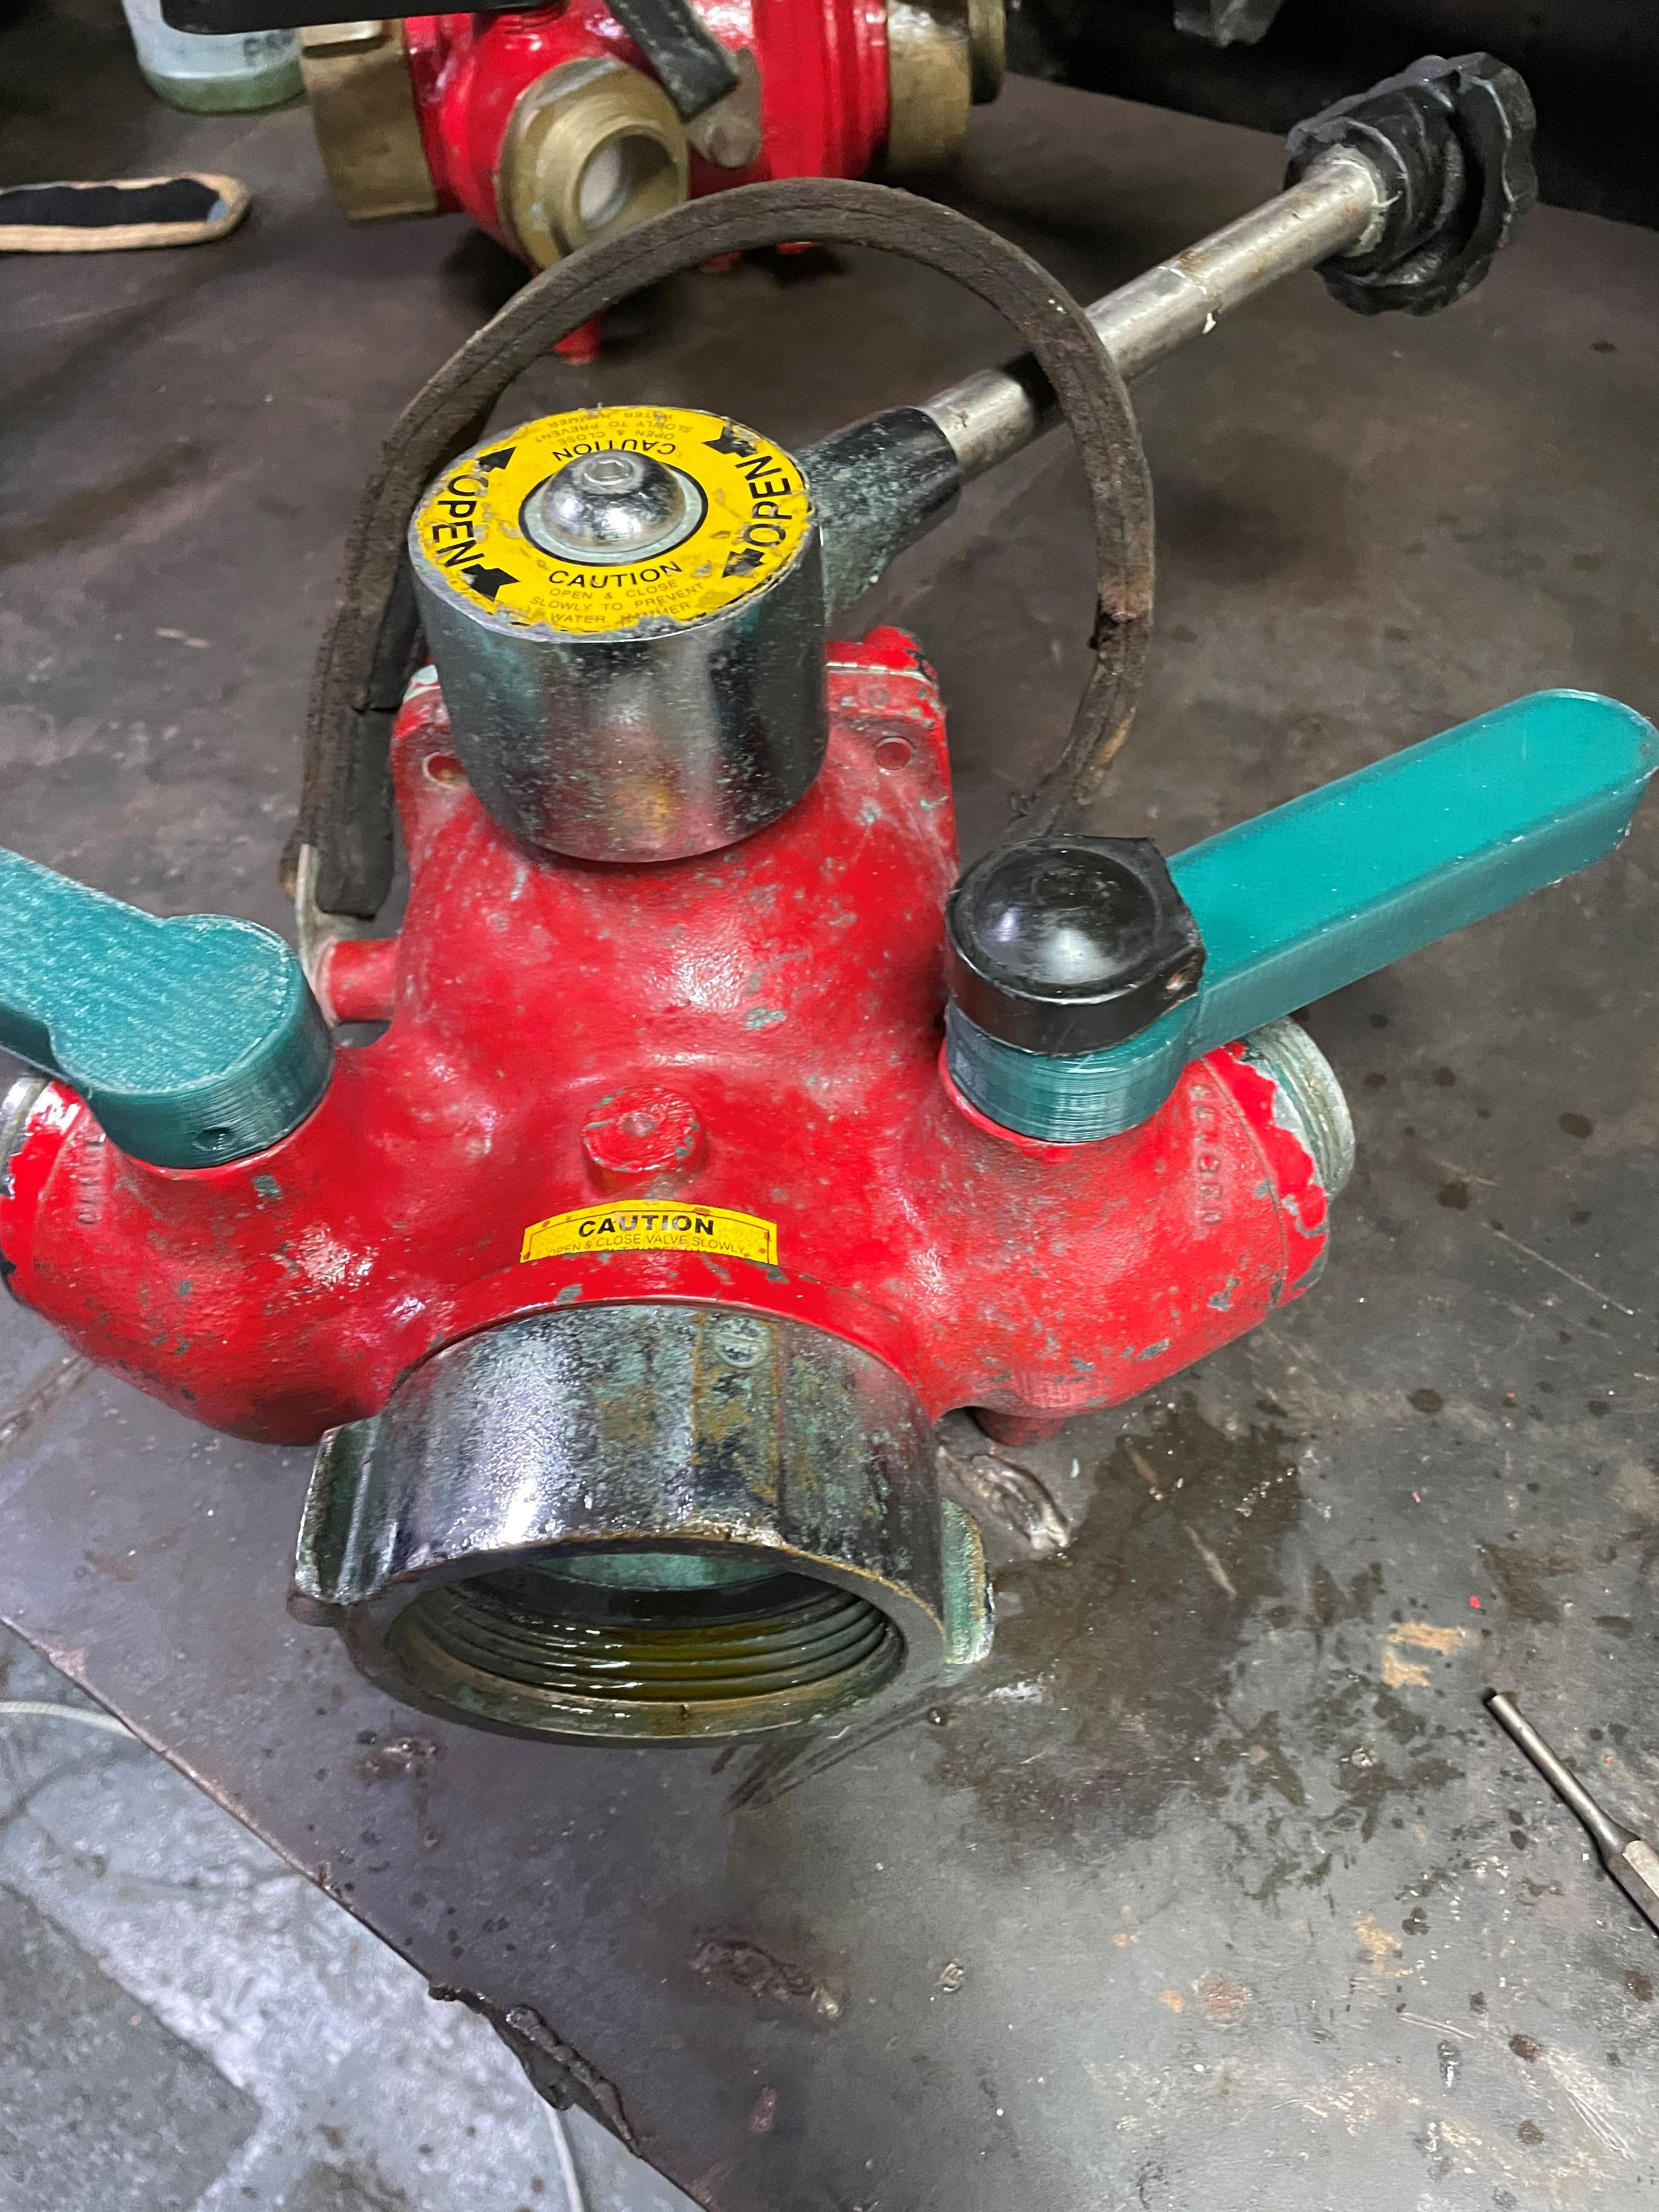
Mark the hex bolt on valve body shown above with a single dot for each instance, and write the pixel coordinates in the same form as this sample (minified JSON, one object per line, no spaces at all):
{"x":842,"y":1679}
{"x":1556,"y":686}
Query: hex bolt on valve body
{"x":722,"y":1136}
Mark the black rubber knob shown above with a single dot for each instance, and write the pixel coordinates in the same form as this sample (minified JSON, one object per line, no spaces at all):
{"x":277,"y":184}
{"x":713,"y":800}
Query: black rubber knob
{"x":1452,"y":143}
{"x":1068,"y":944}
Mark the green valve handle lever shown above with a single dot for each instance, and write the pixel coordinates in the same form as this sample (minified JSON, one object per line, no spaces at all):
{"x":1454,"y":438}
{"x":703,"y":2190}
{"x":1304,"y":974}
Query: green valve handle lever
{"x":194,"y":1041}
{"x":1084,"y":974}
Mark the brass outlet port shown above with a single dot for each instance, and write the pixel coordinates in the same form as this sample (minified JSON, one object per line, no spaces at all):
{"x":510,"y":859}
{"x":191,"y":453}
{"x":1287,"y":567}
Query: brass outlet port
{"x":594,"y":148}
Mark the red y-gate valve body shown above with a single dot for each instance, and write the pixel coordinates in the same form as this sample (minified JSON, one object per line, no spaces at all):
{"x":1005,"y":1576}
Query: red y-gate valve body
{"x":704,"y":1089}
{"x":720,"y":1136}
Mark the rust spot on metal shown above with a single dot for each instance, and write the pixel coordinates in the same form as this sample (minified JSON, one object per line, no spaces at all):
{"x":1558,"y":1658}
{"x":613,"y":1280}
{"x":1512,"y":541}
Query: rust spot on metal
{"x":1380,"y":1945}
{"x":1225,"y":2003}
{"x":1424,"y":1636}
{"x":1400,"y":1674}
{"x":744,"y":1969}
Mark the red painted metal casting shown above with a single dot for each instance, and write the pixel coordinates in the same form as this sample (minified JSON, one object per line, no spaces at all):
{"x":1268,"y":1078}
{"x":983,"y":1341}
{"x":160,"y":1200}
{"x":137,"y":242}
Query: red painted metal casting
{"x":758,"y":1030}
{"x":823,"y":66}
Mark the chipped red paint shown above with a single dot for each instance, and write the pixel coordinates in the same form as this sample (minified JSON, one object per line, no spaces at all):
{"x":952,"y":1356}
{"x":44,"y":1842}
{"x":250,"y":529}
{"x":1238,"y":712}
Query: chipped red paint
{"x":822,"y":67}
{"x":774,"y":1010}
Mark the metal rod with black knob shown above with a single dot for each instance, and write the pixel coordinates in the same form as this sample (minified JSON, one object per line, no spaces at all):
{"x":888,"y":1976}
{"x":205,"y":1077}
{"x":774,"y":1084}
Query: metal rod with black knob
{"x":1401,"y":197}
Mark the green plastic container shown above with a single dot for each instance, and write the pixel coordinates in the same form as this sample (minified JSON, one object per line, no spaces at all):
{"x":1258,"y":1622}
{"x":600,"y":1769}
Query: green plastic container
{"x":214,"y":75}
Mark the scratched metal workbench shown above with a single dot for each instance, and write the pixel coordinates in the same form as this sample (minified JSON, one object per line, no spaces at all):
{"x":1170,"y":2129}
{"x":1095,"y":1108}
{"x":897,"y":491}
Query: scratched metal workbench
{"x":1216,"y":1889}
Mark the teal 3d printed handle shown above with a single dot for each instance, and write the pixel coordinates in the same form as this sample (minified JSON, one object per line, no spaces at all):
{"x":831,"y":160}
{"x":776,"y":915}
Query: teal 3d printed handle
{"x":1316,"y":894}
{"x":194,"y":1041}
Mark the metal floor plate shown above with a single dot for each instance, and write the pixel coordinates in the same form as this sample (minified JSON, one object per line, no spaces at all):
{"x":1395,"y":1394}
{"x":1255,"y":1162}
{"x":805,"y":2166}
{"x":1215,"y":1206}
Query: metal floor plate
{"x":1216,"y":1889}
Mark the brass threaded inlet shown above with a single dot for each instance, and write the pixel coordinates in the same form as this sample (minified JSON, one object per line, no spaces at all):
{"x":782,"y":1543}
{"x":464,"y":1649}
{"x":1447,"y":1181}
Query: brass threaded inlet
{"x":536,"y":1647}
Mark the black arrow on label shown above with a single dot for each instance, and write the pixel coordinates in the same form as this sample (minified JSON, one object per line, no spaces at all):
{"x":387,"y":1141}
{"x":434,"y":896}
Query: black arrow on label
{"x":732,"y":441}
{"x":499,"y":459}
{"x":487,"y":582}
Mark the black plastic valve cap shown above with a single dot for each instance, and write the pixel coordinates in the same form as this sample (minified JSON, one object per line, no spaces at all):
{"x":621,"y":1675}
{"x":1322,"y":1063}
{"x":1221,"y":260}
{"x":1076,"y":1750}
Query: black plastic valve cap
{"x":1068,"y":944}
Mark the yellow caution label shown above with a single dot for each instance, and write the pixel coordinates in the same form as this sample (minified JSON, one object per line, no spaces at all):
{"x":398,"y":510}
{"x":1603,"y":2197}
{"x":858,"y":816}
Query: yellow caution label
{"x":755,"y":514}
{"x":652,"y":1226}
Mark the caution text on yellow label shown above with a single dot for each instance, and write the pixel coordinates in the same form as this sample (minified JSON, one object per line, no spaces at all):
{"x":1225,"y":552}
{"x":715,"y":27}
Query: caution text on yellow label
{"x":755,"y":514}
{"x":650,"y":1226}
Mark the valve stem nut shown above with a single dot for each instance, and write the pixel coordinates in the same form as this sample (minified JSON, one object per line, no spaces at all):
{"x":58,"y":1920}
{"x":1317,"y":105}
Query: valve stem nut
{"x":1064,"y":945}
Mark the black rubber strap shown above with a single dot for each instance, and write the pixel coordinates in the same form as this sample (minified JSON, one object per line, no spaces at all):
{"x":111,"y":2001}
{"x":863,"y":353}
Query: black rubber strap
{"x":693,"y":67}
{"x":346,"y":808}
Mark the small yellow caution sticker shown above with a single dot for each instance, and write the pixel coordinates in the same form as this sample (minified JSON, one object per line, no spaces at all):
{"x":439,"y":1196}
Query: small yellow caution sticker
{"x":755,"y":514}
{"x":651,"y":1226}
